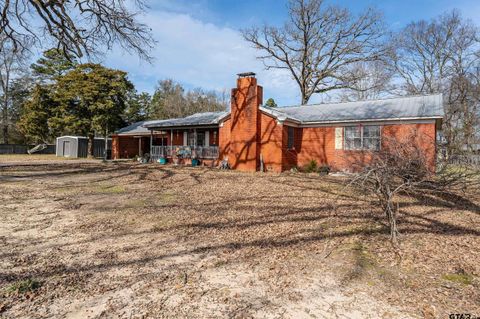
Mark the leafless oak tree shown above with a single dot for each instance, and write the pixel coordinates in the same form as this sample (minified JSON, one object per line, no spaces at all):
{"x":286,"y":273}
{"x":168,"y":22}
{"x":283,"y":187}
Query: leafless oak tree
{"x":78,"y":27}
{"x":318,"y":43}
{"x":442,"y":56}
{"x":370,"y":80}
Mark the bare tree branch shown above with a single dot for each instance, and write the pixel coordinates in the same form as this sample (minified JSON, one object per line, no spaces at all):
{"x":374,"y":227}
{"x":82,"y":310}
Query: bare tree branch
{"x":78,"y":27}
{"x":318,"y":43}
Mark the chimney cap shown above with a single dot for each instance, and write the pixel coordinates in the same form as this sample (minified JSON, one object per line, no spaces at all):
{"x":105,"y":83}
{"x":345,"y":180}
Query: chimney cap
{"x":246,"y":75}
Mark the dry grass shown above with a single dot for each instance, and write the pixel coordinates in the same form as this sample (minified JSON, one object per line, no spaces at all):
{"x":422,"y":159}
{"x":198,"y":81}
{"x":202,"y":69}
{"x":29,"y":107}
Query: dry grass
{"x":27,"y":158}
{"x":127,"y":240}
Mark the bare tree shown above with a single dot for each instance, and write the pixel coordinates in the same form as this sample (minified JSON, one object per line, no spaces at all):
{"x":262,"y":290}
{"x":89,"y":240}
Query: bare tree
{"x":12,"y":65}
{"x":403,"y":167}
{"x":442,"y":56}
{"x":171,"y":100}
{"x":318,"y":43}
{"x":78,"y":27}
{"x":371,"y":80}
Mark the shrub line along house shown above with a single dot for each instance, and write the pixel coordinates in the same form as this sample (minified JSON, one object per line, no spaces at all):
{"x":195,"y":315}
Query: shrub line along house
{"x":251,"y":136}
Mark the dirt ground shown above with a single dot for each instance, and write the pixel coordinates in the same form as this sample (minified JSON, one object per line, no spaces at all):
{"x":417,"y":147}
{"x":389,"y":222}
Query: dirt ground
{"x":124,"y":240}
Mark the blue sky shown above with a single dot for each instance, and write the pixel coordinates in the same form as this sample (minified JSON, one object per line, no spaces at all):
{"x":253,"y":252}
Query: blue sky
{"x":199,"y":44}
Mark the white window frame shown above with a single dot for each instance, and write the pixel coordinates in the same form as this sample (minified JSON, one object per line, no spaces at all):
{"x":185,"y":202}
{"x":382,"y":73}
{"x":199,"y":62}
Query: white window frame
{"x":362,"y":148}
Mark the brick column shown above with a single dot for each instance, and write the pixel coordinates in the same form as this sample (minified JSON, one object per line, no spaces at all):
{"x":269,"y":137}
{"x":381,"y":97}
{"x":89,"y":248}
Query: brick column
{"x":245,"y":124}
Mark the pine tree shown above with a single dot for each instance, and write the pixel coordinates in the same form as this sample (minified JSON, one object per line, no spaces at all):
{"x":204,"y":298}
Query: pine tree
{"x":138,"y":107}
{"x":35,"y":114}
{"x":91,"y":98}
{"x":271,"y":103}
{"x":53,"y":65}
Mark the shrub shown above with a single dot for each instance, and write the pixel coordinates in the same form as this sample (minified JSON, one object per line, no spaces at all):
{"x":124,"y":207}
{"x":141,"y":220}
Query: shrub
{"x":311,"y":167}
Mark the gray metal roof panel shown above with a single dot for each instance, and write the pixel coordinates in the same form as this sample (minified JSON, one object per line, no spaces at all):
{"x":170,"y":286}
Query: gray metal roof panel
{"x":427,"y":106}
{"x":135,"y":128}
{"x":197,"y":119}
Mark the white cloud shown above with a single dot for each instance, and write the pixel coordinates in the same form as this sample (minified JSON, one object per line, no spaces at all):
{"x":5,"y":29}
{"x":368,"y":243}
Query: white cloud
{"x":200,"y":54}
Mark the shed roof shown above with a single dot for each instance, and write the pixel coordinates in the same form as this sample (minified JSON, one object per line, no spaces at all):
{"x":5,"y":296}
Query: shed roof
{"x":197,"y":119}
{"x":412,"y":107}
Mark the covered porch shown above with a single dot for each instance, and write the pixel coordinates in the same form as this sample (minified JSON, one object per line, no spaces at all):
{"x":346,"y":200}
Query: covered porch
{"x":185,"y":144}
{"x":192,"y":137}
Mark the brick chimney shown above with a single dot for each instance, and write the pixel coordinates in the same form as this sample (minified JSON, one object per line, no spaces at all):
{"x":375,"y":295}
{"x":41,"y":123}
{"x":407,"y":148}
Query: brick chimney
{"x":244,"y":153}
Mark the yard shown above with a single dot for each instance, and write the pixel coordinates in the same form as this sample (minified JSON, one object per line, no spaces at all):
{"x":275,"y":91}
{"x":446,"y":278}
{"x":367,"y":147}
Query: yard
{"x":102,"y":240}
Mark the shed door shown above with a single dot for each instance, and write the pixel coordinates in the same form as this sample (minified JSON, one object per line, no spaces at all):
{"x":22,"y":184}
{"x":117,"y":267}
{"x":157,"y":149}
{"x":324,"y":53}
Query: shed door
{"x":66,"y":148}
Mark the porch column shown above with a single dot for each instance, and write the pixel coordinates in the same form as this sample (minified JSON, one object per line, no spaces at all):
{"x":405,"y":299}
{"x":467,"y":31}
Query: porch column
{"x":140,"y":146}
{"x":151,"y":142}
{"x":195,"y":138}
{"x":171,"y":141}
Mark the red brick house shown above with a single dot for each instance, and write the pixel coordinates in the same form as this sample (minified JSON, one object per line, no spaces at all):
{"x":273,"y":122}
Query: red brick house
{"x":281,"y":138}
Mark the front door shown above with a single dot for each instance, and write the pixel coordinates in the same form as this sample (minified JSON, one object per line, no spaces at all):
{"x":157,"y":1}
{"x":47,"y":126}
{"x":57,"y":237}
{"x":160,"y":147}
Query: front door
{"x":66,"y":148}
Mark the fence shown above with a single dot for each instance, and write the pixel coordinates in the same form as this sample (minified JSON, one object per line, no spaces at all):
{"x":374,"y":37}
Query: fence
{"x":23,"y":149}
{"x":470,"y":159}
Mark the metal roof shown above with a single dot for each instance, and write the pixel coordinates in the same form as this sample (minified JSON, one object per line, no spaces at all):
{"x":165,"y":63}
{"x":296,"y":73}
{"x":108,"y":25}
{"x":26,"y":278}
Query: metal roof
{"x":197,"y":119}
{"x":135,"y":128}
{"x":401,"y":108}
{"x":412,"y":107}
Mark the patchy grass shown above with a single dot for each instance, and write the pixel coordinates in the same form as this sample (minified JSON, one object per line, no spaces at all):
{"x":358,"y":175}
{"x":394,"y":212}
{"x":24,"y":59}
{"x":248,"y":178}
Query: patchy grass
{"x":129,"y":239}
{"x":109,"y":189}
{"x":460,"y":277}
{"x":33,"y":157}
{"x":23,"y":286}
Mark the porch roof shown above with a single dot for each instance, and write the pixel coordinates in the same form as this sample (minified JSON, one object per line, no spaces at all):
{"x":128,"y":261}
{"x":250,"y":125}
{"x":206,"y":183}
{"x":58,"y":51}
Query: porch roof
{"x":134,"y":129}
{"x":197,"y":119}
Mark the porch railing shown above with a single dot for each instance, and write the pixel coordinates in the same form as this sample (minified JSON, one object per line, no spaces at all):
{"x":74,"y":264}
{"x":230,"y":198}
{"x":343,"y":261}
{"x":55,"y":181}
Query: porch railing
{"x":207,"y":152}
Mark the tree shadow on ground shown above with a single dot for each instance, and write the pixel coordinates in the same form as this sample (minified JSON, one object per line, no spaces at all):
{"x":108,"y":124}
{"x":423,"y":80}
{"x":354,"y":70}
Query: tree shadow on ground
{"x":367,"y":221}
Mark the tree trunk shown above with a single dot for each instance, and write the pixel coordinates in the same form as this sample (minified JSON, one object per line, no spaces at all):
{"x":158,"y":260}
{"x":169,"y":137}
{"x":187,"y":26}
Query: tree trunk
{"x":5,"y":119}
{"x":5,"y":133}
{"x":392,"y":220}
{"x":91,"y":139}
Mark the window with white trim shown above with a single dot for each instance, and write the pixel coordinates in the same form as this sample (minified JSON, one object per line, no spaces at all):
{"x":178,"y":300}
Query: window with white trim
{"x":362,"y":137}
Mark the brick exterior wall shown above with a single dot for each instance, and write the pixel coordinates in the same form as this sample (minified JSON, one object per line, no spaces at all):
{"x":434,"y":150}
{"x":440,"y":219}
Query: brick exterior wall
{"x":224,"y":139}
{"x":318,"y":143}
{"x":237,"y":136}
{"x":271,"y":143}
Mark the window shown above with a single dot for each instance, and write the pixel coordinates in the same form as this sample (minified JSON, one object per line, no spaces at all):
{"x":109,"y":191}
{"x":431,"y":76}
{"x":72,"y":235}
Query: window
{"x":362,"y":137}
{"x":200,"y":139}
{"x":291,"y":137}
{"x":371,"y":138}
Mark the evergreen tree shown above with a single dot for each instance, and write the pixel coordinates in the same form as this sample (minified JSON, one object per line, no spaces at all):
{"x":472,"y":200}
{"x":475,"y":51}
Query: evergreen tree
{"x":271,"y":103}
{"x":138,"y":107}
{"x":91,"y":98}
{"x":36,"y":112}
{"x":53,"y":65}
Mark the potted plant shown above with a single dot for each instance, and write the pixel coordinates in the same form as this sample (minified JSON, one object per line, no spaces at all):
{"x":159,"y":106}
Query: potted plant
{"x":195,"y":160}
{"x":162,"y":160}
